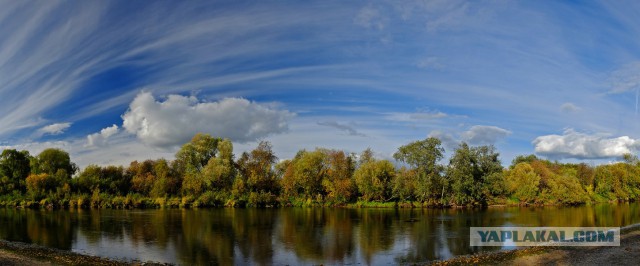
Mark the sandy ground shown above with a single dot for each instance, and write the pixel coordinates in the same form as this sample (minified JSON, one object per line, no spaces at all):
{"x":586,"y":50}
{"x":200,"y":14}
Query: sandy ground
{"x":15,"y":253}
{"x":11,"y":259}
{"x":628,"y":253}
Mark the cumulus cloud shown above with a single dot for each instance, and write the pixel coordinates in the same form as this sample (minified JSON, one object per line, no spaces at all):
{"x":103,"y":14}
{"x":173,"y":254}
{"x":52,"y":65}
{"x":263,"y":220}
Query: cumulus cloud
{"x":349,"y":129}
{"x":569,"y":107}
{"x":572,"y":144}
{"x":100,"y":138}
{"x":483,"y":135}
{"x":178,"y":118}
{"x":54,"y":129}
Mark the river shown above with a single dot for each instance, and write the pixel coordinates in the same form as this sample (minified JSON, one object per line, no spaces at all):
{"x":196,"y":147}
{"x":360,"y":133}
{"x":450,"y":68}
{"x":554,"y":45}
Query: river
{"x":294,"y":236}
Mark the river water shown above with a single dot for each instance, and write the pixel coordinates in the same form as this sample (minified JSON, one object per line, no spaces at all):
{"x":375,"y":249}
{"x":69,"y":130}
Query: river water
{"x":294,"y":236}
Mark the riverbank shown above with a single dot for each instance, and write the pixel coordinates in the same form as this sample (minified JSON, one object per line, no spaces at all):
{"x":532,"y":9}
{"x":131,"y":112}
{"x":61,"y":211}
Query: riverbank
{"x":625,"y":254}
{"x":16,"y":253}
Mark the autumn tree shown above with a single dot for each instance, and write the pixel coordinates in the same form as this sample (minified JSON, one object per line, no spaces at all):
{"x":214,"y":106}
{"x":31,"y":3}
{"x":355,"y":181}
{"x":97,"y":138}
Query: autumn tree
{"x":256,"y":168}
{"x":523,"y":182}
{"x":373,"y":179}
{"x":338,"y":183}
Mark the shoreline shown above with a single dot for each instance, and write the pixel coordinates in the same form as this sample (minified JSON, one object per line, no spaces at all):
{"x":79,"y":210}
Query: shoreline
{"x":625,"y":254}
{"x":18,"y":253}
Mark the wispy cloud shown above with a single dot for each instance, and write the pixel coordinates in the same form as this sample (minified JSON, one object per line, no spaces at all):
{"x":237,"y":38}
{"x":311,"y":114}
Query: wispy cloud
{"x":54,"y":129}
{"x":349,"y":129}
{"x":569,"y":108}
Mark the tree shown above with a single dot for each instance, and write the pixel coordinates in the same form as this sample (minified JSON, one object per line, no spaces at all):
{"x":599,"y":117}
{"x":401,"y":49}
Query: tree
{"x":14,"y":167}
{"x":195,"y":155}
{"x":220,"y":170}
{"x":422,"y":157}
{"x":475,"y":174}
{"x":142,"y":176}
{"x":373,"y":179}
{"x":256,"y":168}
{"x":523,"y":182}
{"x":52,"y":160}
{"x":338,"y":183}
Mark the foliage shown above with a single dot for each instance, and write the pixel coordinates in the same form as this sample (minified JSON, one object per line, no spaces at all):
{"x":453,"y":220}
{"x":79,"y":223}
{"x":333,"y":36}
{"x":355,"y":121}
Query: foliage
{"x":205,"y":173}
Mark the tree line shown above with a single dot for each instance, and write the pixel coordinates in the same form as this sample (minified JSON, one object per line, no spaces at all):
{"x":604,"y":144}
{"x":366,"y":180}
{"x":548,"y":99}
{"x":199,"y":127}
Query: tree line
{"x":206,"y":172}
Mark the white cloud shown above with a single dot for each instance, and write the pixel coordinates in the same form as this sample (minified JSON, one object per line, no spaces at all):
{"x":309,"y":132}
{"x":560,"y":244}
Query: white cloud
{"x":483,"y":135}
{"x":100,"y":138}
{"x":572,"y":144}
{"x":175,"y":121}
{"x":35,"y":148}
{"x":54,"y":129}
{"x":569,"y":107}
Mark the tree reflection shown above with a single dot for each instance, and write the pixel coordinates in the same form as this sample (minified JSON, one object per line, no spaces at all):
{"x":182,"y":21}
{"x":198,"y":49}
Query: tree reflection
{"x":291,"y":235}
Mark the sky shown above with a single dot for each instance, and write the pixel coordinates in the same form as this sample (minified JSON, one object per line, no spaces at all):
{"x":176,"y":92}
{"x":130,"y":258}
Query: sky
{"x":116,"y":81}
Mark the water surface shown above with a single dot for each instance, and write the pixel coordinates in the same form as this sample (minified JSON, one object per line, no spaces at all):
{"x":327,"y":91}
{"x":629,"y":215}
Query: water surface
{"x":295,"y":236}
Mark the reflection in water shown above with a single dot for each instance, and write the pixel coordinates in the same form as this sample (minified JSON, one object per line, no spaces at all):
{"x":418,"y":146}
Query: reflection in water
{"x":288,"y":235}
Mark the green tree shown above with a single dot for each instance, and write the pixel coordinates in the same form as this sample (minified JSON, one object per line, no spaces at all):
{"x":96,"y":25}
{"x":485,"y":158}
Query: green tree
{"x":220,"y":170}
{"x":195,"y":155}
{"x":52,"y":160}
{"x":14,"y":169}
{"x":422,"y":157}
{"x":475,"y":174}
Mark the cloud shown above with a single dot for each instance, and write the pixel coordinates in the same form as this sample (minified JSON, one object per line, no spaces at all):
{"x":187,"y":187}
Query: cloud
{"x":569,"y":107}
{"x":178,"y":118}
{"x":54,"y":129}
{"x":484,"y":135}
{"x":626,"y":78}
{"x":370,"y":17}
{"x":100,"y":138}
{"x":572,"y":144}
{"x":430,"y":63}
{"x":416,"y":116}
{"x":448,"y":141}
{"x":346,"y":128}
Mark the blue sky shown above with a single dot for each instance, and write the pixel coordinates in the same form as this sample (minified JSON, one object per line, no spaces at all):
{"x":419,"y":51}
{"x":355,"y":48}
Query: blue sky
{"x":116,"y":81}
